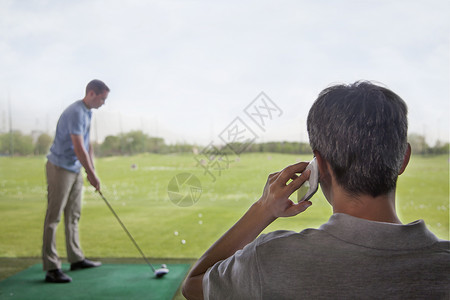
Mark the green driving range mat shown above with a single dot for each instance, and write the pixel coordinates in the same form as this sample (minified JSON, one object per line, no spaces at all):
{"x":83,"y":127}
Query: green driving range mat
{"x":110,"y":281}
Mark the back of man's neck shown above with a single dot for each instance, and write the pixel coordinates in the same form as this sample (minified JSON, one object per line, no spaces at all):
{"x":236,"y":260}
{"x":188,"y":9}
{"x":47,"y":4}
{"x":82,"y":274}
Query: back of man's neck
{"x":380,"y":209}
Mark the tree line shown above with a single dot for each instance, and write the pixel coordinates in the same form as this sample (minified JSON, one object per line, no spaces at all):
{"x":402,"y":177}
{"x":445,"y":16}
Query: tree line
{"x":135,"y":142}
{"x":16,"y":143}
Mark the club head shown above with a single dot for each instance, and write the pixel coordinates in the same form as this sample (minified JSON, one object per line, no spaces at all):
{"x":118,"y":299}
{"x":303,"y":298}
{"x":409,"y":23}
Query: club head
{"x":161,"y":271}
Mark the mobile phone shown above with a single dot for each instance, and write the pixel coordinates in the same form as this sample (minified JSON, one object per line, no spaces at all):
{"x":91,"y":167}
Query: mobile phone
{"x":309,"y":187}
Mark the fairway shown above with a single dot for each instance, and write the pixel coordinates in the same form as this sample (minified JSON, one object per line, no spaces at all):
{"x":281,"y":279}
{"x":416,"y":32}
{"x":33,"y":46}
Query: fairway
{"x":136,"y":187}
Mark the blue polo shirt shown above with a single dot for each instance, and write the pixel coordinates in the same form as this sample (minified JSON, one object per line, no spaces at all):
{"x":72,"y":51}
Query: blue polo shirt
{"x":76,"y":119}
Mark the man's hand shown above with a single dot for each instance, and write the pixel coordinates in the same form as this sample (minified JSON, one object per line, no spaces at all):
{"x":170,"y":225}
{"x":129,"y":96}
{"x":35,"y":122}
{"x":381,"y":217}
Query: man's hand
{"x":94,"y":181}
{"x":273,"y":203}
{"x":85,"y":159}
{"x":275,"y":199}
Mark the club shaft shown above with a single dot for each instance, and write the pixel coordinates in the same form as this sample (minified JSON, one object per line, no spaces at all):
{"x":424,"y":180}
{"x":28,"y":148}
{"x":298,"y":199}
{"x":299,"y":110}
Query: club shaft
{"x":126,"y":230}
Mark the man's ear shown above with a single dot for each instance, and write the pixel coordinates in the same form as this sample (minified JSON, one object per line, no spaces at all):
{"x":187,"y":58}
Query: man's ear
{"x":91,"y":94}
{"x":405,"y":159}
{"x":321,"y":163}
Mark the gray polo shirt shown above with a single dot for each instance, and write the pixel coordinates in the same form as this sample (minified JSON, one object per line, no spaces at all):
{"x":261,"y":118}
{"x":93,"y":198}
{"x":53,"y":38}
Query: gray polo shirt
{"x":346,"y":258}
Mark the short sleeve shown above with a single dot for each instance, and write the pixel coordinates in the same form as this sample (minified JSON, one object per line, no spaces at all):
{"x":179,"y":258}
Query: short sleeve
{"x":236,"y":277}
{"x":76,"y":123}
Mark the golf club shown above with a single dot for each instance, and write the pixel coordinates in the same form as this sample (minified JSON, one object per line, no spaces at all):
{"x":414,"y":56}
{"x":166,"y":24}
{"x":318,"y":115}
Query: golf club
{"x":158,"y":272}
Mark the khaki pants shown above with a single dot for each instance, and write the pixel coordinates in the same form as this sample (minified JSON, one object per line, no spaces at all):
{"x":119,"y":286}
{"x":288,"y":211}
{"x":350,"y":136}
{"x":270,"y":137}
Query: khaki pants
{"x":64,"y":194}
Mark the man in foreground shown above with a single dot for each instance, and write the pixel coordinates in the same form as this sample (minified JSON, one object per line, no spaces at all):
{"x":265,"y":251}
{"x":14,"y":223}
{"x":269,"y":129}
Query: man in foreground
{"x":358,"y":134}
{"x":70,"y":151}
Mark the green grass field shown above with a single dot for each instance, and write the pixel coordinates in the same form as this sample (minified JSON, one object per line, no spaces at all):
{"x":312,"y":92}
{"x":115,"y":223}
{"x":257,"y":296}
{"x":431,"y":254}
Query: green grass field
{"x":139,"y":196}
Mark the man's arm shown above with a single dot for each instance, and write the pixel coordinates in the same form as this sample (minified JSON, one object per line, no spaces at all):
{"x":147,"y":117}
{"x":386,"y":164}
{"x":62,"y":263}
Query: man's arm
{"x":91,"y":155}
{"x":273,"y":204}
{"x":85,"y":159}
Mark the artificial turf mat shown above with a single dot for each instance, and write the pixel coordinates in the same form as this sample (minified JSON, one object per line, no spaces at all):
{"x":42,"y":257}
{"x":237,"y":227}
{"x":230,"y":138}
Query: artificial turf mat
{"x":110,"y":281}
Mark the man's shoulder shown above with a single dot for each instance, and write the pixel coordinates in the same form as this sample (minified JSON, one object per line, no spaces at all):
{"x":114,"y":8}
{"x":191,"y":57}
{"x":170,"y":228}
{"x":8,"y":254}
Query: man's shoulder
{"x":288,"y":236}
{"x":76,"y":112}
{"x":76,"y":107}
{"x":443,"y":246}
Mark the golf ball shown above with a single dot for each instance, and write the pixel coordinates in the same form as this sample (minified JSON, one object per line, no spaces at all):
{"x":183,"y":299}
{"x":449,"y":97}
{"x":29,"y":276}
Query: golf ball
{"x":200,"y":215}
{"x":175,"y":233}
{"x":183,"y":242}
{"x":200,"y":222}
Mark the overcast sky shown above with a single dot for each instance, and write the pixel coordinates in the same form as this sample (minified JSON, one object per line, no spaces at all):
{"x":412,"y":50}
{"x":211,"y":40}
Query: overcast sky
{"x":184,"y":70}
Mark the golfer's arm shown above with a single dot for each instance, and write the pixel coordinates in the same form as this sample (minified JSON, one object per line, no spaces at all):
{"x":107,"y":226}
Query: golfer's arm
{"x":254,"y":221}
{"x":91,"y":156}
{"x":81,"y":153}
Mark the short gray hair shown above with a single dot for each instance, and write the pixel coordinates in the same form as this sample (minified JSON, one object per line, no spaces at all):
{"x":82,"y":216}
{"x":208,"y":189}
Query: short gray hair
{"x":361,"y":130}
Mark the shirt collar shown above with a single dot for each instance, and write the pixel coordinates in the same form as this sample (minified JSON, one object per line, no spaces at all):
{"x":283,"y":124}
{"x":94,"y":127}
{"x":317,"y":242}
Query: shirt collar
{"x":379,"y":235}
{"x":85,"y":108}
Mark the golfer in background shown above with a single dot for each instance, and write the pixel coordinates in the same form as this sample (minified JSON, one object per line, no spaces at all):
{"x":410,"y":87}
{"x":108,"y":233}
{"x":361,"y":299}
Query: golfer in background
{"x":70,"y":151}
